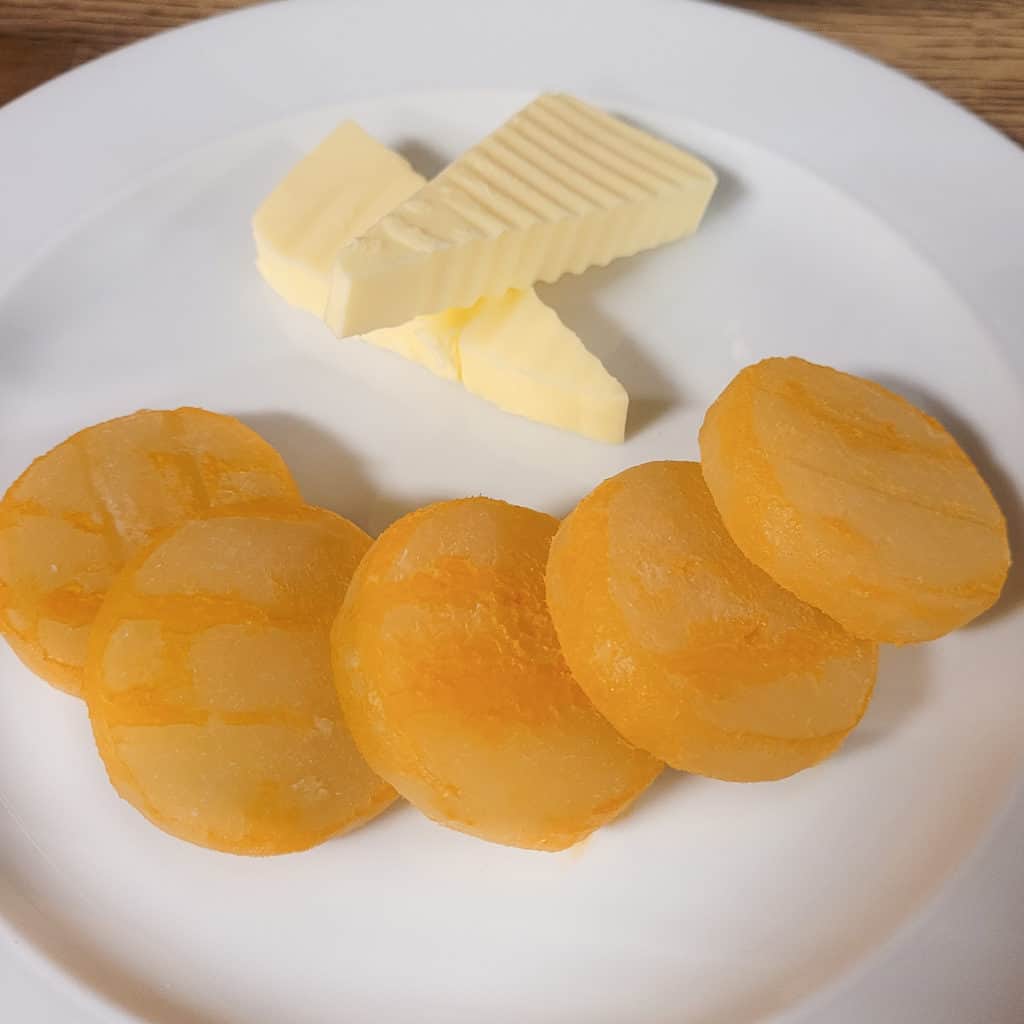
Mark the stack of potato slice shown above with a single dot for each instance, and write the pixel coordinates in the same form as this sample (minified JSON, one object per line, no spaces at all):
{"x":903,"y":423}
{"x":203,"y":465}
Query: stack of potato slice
{"x":163,"y":567}
{"x":512,"y":677}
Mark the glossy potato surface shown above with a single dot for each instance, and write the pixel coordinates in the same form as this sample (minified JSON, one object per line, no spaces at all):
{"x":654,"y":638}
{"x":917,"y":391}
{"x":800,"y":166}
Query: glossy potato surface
{"x":854,"y":499}
{"x":454,"y":687}
{"x":688,"y":649}
{"x":73,"y":518}
{"x":209,"y":682}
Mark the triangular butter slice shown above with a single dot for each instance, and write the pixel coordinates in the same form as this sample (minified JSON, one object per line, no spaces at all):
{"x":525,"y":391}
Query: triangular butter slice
{"x":515,"y":352}
{"x":559,"y":187}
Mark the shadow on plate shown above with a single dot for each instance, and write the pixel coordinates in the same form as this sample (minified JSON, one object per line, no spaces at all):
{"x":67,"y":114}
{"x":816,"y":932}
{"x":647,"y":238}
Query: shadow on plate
{"x":398,"y":806}
{"x":328,"y":473}
{"x":661,"y":790}
{"x":424,"y":158}
{"x":902,"y":688}
{"x":573,"y":297}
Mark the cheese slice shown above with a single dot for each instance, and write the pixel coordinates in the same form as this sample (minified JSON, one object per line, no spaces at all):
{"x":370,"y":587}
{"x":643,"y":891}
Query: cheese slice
{"x":559,"y":187}
{"x":333,"y":195}
{"x":521,"y":356}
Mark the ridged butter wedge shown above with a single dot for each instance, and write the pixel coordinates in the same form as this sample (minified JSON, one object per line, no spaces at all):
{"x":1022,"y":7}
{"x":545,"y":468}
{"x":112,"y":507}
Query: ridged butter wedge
{"x":558,"y":188}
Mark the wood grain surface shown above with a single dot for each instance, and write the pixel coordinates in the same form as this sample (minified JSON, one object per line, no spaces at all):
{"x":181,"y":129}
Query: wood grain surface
{"x":971,"y":50}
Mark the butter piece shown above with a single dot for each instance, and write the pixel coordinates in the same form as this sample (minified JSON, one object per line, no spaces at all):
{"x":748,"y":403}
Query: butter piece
{"x":330,"y":197}
{"x":432,"y":341}
{"x":559,"y":187}
{"x":515,"y":352}
{"x":519,"y":354}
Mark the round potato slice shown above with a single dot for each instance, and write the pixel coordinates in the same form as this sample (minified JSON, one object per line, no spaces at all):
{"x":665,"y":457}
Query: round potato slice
{"x":854,"y":500}
{"x":209,"y":682}
{"x":688,"y":649}
{"x":73,"y":518}
{"x":455,"y":690}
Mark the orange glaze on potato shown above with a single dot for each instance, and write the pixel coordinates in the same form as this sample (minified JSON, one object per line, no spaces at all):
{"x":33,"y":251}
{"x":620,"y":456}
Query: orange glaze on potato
{"x":73,"y":518}
{"x":456,"y":692}
{"x":688,"y":649}
{"x":209,"y":682}
{"x":855,"y":500}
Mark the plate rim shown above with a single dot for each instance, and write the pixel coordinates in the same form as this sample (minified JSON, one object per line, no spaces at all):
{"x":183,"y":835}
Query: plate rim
{"x":980,"y":267}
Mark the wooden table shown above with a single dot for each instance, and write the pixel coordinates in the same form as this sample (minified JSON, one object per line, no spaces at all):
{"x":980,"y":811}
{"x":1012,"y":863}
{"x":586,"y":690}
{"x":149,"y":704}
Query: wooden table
{"x":971,"y":50}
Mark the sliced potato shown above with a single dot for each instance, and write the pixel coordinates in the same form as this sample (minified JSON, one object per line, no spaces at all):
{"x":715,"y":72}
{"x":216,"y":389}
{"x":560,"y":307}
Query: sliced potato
{"x":456,"y":692}
{"x":688,"y":649}
{"x":73,"y":518}
{"x":209,"y":682}
{"x":855,"y":500}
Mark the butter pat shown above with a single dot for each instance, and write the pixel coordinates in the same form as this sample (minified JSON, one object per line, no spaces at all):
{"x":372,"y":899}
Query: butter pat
{"x":330,"y":197}
{"x":432,"y":341}
{"x":511,"y":350}
{"x":559,"y":187}
{"x":515,"y":352}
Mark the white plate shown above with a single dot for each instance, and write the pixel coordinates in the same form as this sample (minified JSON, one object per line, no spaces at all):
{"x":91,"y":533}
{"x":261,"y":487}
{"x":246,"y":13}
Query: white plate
{"x":862,"y":221}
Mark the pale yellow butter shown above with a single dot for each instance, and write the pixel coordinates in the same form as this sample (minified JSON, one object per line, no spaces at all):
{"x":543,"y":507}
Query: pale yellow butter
{"x":336,"y":193}
{"x":512,"y":350}
{"x":559,"y":187}
{"x":432,"y":341}
{"x":515,"y":352}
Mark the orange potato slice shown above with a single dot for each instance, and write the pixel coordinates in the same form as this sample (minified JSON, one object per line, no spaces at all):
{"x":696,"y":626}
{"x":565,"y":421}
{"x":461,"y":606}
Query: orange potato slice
{"x":855,"y":500}
{"x":455,"y":690}
{"x":209,"y":682}
{"x":73,"y":518}
{"x":688,"y":649}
